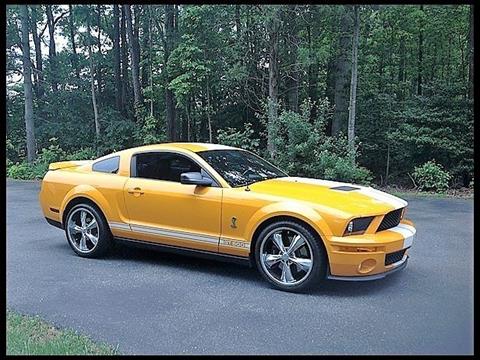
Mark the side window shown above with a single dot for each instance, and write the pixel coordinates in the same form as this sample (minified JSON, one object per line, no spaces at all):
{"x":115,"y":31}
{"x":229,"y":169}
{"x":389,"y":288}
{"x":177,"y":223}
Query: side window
{"x":109,"y":165}
{"x":163,"y":166}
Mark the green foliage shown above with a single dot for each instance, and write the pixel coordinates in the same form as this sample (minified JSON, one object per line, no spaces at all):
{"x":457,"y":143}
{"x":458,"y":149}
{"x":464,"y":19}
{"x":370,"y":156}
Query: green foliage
{"x":151,"y":132}
{"x":431,"y":176}
{"x":244,"y":139}
{"x":86,"y":153}
{"x":303,"y":148}
{"x":215,"y":60}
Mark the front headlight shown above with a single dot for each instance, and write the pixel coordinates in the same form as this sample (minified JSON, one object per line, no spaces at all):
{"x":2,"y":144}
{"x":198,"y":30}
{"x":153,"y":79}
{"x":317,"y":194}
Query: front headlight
{"x":358,"y":226}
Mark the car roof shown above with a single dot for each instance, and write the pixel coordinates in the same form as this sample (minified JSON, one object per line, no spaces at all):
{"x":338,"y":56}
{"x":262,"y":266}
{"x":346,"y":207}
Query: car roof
{"x":189,"y":146}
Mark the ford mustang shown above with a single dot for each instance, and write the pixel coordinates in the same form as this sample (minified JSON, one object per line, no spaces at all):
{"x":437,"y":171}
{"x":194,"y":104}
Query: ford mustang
{"x":227,"y":203}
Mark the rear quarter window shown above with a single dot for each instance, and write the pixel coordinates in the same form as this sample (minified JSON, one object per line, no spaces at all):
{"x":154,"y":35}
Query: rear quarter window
{"x":109,"y":165}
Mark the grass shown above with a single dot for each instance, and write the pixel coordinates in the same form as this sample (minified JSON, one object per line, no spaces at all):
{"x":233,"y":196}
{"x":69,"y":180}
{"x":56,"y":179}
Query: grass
{"x":30,"y":335}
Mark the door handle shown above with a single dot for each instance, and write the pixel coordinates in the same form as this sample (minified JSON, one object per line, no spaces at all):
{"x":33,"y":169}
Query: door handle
{"x":135,"y":191}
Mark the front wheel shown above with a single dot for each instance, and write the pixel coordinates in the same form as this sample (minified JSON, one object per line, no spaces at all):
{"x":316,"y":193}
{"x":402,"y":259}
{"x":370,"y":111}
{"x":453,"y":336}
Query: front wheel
{"x":290,"y":256}
{"x":87,"y":231}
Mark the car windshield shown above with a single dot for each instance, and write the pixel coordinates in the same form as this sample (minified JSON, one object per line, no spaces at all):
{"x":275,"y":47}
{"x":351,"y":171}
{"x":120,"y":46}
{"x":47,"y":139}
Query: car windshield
{"x":239,"y":167}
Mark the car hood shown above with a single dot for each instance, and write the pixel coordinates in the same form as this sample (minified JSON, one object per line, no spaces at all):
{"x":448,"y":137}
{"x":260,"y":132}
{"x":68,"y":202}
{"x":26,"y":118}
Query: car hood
{"x":349,"y":199}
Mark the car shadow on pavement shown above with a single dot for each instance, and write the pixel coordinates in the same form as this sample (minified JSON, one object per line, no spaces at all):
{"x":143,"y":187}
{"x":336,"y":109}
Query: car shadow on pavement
{"x":330,"y":288}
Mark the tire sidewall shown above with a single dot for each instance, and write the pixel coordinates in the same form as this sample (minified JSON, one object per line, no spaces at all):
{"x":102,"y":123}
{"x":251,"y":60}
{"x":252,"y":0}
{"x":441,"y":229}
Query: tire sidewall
{"x":319,"y":257}
{"x":104,"y":234}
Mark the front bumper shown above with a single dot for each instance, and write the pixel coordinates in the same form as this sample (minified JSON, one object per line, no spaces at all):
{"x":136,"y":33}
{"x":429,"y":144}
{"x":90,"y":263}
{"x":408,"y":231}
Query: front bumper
{"x":370,"y":256}
{"x":402,"y":265}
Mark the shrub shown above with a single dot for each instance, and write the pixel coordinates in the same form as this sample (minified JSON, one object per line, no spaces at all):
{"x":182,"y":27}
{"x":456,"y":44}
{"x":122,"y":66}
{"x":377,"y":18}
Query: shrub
{"x":244,"y":139}
{"x":82,"y":154}
{"x":23,"y":171}
{"x":304,"y":149}
{"x":431,"y":176}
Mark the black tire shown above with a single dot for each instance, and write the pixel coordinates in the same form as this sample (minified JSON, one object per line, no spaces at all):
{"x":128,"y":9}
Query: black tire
{"x":319,"y":267}
{"x":105,"y":238}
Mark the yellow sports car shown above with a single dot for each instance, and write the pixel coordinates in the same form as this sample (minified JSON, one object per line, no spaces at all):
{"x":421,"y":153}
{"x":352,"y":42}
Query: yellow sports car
{"x":228,"y":203}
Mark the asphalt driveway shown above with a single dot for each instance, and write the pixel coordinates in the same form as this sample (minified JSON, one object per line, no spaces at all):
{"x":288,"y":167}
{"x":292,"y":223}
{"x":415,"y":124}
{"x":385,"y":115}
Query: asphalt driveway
{"x":156,"y":303}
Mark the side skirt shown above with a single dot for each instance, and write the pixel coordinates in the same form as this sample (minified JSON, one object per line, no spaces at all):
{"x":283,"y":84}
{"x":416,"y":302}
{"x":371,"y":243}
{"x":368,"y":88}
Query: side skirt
{"x":185,"y":251}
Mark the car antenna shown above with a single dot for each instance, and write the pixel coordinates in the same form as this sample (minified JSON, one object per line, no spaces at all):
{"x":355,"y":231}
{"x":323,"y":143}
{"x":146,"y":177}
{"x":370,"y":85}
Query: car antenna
{"x":247,"y":188}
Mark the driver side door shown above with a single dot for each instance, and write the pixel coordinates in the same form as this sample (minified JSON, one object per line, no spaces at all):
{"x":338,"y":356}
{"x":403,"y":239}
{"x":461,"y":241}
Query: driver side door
{"x":163,"y":210}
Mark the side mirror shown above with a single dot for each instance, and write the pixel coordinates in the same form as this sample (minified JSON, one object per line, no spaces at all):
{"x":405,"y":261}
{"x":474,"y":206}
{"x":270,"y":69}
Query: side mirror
{"x":195,"y":178}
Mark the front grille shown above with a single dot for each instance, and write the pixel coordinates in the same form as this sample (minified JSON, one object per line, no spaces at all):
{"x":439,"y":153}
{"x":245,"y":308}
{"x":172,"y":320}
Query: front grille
{"x":391,"y":220}
{"x":394,"y":257}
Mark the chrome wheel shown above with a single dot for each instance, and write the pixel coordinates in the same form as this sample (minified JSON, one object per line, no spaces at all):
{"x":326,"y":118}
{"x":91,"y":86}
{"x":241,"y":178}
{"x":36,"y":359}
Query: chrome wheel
{"x":83,"y":230}
{"x":286,"y":256}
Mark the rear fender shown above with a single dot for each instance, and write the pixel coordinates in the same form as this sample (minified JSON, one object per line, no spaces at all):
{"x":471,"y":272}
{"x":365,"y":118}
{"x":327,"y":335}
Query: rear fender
{"x":90,"y":193}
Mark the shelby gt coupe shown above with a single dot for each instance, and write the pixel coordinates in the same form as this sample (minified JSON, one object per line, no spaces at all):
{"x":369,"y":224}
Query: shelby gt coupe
{"x":223,"y":202}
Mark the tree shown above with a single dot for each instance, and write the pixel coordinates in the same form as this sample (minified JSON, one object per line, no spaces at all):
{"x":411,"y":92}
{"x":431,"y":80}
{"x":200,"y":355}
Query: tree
{"x":341,"y":73}
{"x":52,"y":52}
{"x":38,"y":54}
{"x":353,"y":83}
{"x":135,"y":56}
{"x":420,"y":54}
{"x":274,"y":24}
{"x":27,"y":86}
{"x":88,"y":41}
{"x":116,"y":58}
{"x":71,"y":29}
{"x":169,"y":97}
{"x":470,"y":53}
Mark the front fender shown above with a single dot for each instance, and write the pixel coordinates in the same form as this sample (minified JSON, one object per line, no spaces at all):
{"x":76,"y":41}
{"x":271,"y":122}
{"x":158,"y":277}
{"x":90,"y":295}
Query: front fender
{"x":291,"y":209}
{"x":90,"y":193}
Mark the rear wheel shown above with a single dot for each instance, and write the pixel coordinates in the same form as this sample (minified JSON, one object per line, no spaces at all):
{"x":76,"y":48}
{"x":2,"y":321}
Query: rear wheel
{"x":289,"y":256}
{"x":87,"y":231}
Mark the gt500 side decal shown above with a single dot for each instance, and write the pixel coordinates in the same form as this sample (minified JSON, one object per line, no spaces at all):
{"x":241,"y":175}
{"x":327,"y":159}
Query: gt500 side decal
{"x":175,"y":234}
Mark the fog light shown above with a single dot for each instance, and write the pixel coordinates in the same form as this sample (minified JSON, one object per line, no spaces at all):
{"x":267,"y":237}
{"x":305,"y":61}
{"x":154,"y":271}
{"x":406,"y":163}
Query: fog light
{"x":366,"y":266}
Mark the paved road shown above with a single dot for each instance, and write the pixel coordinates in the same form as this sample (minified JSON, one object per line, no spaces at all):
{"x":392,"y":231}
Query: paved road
{"x":154,"y":303}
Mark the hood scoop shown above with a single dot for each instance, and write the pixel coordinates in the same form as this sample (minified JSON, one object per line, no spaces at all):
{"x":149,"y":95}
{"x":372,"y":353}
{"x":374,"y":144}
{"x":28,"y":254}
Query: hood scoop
{"x":345,"y":188}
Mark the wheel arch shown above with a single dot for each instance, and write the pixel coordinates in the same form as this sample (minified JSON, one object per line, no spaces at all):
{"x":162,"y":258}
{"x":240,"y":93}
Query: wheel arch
{"x":285,"y":217}
{"x":84,"y":194}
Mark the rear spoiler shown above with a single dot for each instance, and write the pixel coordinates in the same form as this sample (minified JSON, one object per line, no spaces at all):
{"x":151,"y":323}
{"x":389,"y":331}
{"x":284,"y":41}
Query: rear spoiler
{"x":68,"y":164}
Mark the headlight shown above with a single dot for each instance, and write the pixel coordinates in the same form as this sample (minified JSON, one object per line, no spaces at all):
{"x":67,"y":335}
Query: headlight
{"x":358,"y":226}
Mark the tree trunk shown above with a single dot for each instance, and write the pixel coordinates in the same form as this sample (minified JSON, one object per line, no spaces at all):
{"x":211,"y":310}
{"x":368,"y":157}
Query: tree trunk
{"x":92,"y":82}
{"x":294,"y":43}
{"x":209,"y":117}
{"x":341,"y":75}
{"x":273,"y":74}
{"x":401,"y":68}
{"x":420,"y":57}
{"x":238,"y":24}
{"x":313,"y":72}
{"x":27,"y":86}
{"x":72,"y":40}
{"x":99,"y":46}
{"x":38,"y":76}
{"x":124,"y":54}
{"x":169,"y":98}
{"x":145,"y":53}
{"x":470,"y":57}
{"x":150,"y":58}
{"x":353,"y":83}
{"x":135,"y":56}
{"x":116,"y":58}
{"x":52,"y":52}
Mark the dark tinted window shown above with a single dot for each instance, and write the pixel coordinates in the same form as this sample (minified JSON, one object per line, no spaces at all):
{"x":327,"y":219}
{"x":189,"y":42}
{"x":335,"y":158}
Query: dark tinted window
{"x":109,"y":165}
{"x":239,"y":167}
{"x":163,"y":166}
